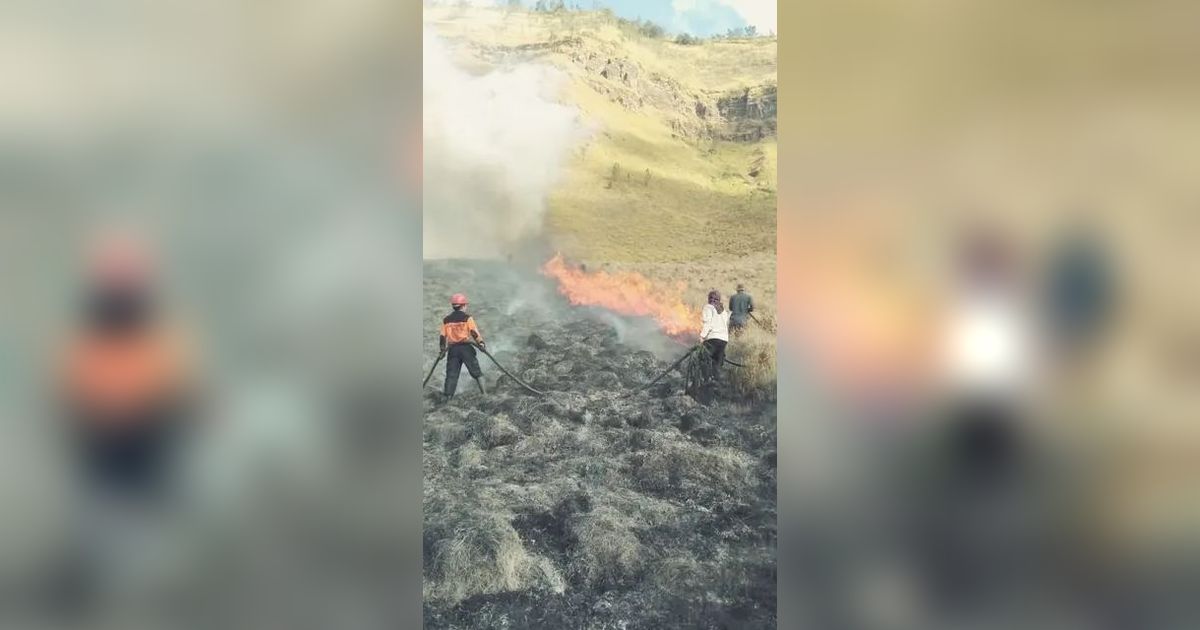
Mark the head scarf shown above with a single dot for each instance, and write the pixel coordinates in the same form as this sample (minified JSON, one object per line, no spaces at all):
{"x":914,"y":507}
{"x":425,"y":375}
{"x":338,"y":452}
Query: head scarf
{"x":714,"y":298}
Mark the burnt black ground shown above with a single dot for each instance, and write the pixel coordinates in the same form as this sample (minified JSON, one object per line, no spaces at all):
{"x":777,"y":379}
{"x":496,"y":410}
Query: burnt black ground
{"x":589,"y":508}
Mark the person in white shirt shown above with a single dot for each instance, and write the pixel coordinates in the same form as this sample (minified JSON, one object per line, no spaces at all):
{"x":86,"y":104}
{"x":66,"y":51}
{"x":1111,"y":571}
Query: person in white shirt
{"x":990,"y":356}
{"x":714,"y":332}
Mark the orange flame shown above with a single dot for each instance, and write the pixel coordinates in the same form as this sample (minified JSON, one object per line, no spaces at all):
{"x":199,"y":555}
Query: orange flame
{"x":629,"y":293}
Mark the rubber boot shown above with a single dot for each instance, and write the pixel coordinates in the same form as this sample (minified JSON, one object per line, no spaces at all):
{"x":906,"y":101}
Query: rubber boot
{"x":482,"y":389}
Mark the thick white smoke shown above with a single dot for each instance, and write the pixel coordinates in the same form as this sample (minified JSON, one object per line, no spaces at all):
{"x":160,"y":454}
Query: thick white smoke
{"x":494,"y":145}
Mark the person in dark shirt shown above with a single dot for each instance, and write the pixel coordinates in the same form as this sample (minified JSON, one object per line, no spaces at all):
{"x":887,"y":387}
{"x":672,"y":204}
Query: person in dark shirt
{"x":1078,"y":292}
{"x":741,"y":305}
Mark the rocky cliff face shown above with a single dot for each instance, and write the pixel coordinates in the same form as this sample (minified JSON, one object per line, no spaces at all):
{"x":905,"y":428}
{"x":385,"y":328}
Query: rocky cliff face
{"x":748,"y":115}
{"x":743,"y":115}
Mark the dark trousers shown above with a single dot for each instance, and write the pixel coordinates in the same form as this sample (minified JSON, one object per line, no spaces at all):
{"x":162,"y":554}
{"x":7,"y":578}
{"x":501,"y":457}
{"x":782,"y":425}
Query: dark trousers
{"x":128,"y":470}
{"x":969,"y":553}
{"x":456,"y":356}
{"x":984,"y":441}
{"x":133,"y":456}
{"x":716,"y":351}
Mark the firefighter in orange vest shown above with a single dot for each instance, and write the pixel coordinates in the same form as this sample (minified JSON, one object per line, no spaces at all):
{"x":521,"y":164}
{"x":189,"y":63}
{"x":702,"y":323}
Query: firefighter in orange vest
{"x":459,"y":333}
{"x":126,"y":378}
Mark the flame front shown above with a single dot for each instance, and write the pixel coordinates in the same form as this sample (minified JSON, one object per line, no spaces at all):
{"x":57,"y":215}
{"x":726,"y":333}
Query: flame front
{"x":629,"y":293}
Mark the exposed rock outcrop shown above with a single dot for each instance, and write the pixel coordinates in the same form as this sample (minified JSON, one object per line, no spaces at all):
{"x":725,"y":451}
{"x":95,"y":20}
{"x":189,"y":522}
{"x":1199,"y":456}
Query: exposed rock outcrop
{"x":742,"y":115}
{"x":749,"y":114}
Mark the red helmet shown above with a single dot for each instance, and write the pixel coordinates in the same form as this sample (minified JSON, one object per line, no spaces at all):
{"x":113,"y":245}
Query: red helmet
{"x":458,"y":299}
{"x":120,"y":257}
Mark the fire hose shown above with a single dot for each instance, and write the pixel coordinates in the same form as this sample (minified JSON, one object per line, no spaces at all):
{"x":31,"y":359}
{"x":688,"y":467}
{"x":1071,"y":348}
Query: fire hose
{"x":668,"y":370}
{"x":760,"y":323}
{"x":541,"y":393}
{"x":509,"y":374}
{"x":431,"y":369}
{"x":675,"y":365}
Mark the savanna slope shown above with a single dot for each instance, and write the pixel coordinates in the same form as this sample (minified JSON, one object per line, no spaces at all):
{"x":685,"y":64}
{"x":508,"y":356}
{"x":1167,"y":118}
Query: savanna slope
{"x":677,"y":177}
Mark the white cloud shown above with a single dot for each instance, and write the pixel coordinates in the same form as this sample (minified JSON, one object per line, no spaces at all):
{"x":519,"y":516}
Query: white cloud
{"x":762,"y":14}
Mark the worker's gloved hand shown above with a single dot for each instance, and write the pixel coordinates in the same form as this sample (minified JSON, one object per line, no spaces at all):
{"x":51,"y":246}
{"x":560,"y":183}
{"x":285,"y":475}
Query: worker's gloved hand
{"x":481,"y":344}
{"x":442,"y":353}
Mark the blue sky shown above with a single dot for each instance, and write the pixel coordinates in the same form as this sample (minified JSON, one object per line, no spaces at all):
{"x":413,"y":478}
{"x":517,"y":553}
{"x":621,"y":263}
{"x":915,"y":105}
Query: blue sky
{"x":698,"y":17}
{"x":706,"y":18}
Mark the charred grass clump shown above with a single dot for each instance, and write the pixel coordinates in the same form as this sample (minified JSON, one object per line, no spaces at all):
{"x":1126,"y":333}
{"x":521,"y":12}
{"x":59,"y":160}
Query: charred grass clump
{"x":707,"y":476}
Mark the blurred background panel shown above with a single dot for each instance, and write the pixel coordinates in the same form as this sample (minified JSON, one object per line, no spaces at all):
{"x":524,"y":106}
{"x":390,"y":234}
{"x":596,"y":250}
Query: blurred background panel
{"x":1064,"y":133}
{"x":268,"y":154}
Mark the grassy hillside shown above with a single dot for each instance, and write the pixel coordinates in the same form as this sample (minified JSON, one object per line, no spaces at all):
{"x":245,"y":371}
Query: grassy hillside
{"x":661,"y":184}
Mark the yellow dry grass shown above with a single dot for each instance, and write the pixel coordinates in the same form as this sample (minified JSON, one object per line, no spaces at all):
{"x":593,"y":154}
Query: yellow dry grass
{"x":482,"y":554}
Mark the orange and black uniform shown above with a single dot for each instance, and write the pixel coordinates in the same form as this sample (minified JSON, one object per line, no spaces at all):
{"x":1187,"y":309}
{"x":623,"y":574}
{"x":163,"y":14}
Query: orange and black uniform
{"x":458,"y":331}
{"x":125,"y":382}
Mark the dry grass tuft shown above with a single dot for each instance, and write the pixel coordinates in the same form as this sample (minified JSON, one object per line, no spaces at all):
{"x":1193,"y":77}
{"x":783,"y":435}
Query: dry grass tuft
{"x":451,"y":435}
{"x":754,"y":349}
{"x":682,"y":574}
{"x":492,"y":430}
{"x":479,"y":553}
{"x":606,"y":553}
{"x":692,"y":472}
{"x":553,"y":440}
{"x":466,"y":456}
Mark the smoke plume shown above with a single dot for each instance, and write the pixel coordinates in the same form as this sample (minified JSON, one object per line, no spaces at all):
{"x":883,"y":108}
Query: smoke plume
{"x":494,"y":145}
